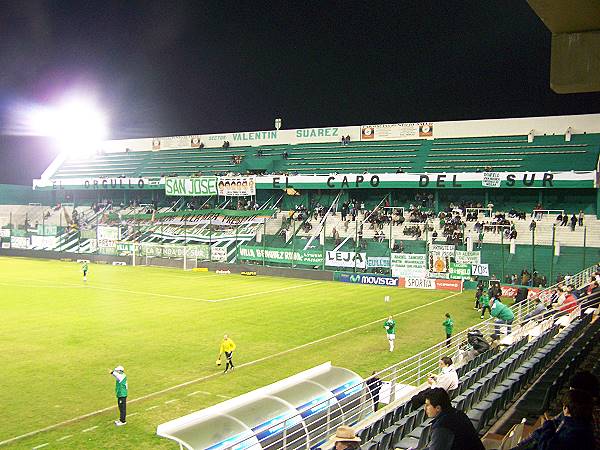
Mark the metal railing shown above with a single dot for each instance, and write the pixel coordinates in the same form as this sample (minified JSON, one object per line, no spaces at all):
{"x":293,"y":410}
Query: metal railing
{"x":406,"y":377}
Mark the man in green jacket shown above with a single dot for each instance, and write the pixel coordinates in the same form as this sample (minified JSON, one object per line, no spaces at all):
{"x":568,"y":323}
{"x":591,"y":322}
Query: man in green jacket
{"x":121,"y":391}
{"x":503,"y":315}
{"x":448,"y":324}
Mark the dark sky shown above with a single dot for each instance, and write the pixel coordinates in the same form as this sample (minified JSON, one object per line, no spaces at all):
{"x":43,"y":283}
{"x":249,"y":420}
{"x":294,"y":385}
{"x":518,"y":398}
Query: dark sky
{"x":182,"y":67}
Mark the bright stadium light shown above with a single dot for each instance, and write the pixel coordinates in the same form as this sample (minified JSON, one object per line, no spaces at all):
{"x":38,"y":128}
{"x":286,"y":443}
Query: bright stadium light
{"x":77,"y":125}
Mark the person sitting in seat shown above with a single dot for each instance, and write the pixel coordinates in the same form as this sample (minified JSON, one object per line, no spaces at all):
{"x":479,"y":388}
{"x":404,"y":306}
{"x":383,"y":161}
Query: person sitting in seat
{"x":447,"y":379}
{"x":451,"y":429}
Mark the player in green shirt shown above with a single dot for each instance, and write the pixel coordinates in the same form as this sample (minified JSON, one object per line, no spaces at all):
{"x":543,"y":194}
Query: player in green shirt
{"x":485,"y":304}
{"x":121,"y":391}
{"x":448,"y":324}
{"x":85,"y":269}
{"x":390,"y":329}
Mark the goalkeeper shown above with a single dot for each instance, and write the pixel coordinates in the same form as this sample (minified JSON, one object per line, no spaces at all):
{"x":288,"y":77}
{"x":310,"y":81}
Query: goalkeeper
{"x":227,"y":347}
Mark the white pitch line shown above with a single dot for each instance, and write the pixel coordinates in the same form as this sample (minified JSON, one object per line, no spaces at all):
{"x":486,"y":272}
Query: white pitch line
{"x":171,"y":401}
{"x":132,"y":414}
{"x":214,"y":375}
{"x":222,"y":396}
{"x":265,"y":292}
{"x":151,"y":408}
{"x":89,"y":429}
{"x":40,"y":446}
{"x":64,"y":438}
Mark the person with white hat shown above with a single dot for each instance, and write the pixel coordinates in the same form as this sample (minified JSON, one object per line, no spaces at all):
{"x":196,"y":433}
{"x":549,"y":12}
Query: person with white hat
{"x":346,"y":438}
{"x":121,"y":391}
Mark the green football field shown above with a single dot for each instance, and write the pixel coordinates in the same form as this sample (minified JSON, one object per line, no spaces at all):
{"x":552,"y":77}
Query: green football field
{"x":60,"y":337}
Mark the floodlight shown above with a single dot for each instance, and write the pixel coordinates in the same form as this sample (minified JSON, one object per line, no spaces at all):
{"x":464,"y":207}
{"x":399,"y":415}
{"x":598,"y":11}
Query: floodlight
{"x":76,"y":124}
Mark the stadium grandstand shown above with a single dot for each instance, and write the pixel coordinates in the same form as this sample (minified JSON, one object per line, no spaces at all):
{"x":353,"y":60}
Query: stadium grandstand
{"x":509,"y":205}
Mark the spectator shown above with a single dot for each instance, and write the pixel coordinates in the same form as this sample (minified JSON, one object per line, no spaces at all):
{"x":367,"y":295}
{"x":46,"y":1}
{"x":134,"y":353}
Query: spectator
{"x":572,"y":429}
{"x":345,"y":438}
{"x":573,"y":222}
{"x":447,"y":379}
{"x":580,"y":218}
{"x":451,"y":429}
{"x":539,"y":309}
{"x":532,"y":225}
{"x":565,"y":220}
{"x":374,"y":385}
{"x":503,"y":315}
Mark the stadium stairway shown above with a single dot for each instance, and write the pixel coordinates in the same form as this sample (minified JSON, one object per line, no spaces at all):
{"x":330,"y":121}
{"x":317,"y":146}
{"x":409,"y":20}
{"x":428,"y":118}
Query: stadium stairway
{"x":484,"y":393}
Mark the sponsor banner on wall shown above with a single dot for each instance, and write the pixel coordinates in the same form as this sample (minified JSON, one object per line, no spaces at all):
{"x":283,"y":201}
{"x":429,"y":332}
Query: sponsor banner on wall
{"x":449,"y":285}
{"x":467,"y":257}
{"x":281,"y":255}
{"x":218,"y":254}
{"x":377,"y":280}
{"x":174,"y":250}
{"x":509,"y":290}
{"x":409,"y":265}
{"x":491,"y":179}
{"x":459,"y":271}
{"x":417,"y":283}
{"x":108,"y":233}
{"x":6,"y":245}
{"x":346,"y":259}
{"x":396,"y":131}
{"x":236,"y":186}
{"x":378,"y":261}
{"x":191,"y":186}
{"x":20,"y":242}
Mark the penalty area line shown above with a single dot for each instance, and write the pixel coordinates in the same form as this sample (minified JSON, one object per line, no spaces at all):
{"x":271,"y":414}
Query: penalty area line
{"x":214,"y":375}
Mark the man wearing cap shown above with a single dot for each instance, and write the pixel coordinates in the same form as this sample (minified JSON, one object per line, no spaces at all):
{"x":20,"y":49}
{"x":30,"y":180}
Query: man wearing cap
{"x":121,"y":391}
{"x":346,"y":438}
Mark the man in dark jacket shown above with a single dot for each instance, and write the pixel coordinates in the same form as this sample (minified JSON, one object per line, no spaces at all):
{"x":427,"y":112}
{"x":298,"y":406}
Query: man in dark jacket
{"x":451,"y":429}
{"x":572,"y":429}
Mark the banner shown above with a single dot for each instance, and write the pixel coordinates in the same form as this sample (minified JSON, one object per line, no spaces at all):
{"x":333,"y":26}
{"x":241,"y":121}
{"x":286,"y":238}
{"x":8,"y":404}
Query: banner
{"x":236,"y":186}
{"x":396,"y":131}
{"x":442,"y":249}
{"x":409,"y":265}
{"x":448,"y":285}
{"x":174,"y":250}
{"x":43,"y":242}
{"x":19,"y":242}
{"x":219,"y":254}
{"x":491,"y":179}
{"x":377,"y":280}
{"x":467,"y":257}
{"x":346,"y":259}
{"x":378,"y":261}
{"x":417,"y":283}
{"x":482,"y":270}
{"x":460,"y":271}
{"x":221,"y":217}
{"x":194,"y":186}
{"x":281,"y":255}
{"x":108,"y":233}
{"x":47,"y":230}
{"x":4,"y":232}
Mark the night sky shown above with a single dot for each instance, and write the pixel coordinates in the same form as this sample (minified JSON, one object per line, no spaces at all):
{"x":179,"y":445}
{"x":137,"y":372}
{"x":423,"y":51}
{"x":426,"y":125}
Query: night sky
{"x":184,"y":67}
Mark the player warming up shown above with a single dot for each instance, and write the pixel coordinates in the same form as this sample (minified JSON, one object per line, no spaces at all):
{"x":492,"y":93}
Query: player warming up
{"x":85,"y":270}
{"x":227,"y":347}
{"x":390,"y":329}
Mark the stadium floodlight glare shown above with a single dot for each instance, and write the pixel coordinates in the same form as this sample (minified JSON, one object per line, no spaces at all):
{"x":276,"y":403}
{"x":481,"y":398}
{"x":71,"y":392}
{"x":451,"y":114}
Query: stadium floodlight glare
{"x":77,"y":125}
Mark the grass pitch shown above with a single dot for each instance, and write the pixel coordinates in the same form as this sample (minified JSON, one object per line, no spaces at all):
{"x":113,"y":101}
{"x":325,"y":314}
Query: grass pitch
{"x":59,"y":337}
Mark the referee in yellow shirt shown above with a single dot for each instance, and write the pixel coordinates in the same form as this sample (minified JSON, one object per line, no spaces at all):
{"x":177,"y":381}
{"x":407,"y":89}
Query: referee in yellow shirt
{"x":227,"y":347}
